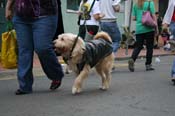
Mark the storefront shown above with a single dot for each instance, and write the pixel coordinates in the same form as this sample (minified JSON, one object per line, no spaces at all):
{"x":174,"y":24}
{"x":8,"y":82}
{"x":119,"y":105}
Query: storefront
{"x":70,"y":19}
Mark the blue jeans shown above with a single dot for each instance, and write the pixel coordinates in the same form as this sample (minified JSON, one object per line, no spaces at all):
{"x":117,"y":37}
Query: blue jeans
{"x":112,"y":29}
{"x":36,"y":35}
{"x":172,"y":29}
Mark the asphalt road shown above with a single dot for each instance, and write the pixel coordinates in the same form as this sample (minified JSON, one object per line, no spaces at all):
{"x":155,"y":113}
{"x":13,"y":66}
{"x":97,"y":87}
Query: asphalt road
{"x":138,"y":93}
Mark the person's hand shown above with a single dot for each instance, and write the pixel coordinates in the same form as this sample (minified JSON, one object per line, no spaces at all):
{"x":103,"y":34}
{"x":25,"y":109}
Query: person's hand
{"x":116,"y":8}
{"x":9,"y":9}
{"x":101,"y":15}
{"x":164,"y":26}
{"x":8,"y":14}
{"x":79,"y":12}
{"x":156,"y":31}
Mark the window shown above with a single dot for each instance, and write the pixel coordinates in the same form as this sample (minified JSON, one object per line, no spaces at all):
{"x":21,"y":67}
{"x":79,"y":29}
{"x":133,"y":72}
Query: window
{"x":73,"y":5}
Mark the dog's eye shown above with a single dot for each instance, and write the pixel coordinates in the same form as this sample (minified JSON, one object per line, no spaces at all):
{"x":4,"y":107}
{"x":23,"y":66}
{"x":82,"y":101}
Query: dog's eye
{"x":62,"y":39}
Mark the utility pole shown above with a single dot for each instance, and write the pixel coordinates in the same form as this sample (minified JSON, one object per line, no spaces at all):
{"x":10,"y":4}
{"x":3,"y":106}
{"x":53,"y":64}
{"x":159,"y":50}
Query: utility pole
{"x":127,"y":12}
{"x":127,"y":24}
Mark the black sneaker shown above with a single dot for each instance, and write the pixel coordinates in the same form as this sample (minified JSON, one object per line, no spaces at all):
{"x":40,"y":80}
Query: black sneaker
{"x":131,"y":65}
{"x":55,"y":84}
{"x":20,"y":92}
{"x":173,"y":80}
{"x":149,"y":68}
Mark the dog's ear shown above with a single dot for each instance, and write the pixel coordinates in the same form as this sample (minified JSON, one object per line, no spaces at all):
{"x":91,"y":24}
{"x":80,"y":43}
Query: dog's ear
{"x":79,"y":48}
{"x":60,"y":36}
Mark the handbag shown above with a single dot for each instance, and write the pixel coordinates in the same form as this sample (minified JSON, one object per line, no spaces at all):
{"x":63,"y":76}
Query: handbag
{"x":9,"y":49}
{"x":147,"y":18}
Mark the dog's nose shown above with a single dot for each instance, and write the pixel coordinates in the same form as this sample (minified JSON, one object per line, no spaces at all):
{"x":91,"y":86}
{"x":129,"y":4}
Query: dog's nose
{"x":54,"y":42}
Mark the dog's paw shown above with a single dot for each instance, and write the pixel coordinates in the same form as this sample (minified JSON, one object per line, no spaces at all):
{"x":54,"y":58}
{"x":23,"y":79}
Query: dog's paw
{"x":68,"y":71}
{"x":75,"y":90}
{"x":103,"y":88}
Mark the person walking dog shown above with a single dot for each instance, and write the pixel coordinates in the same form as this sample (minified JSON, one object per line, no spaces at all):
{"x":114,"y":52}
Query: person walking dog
{"x":35,"y":22}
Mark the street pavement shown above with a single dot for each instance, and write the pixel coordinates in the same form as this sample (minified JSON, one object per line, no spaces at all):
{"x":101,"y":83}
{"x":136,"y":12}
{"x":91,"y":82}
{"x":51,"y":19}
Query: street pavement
{"x":139,"y":93}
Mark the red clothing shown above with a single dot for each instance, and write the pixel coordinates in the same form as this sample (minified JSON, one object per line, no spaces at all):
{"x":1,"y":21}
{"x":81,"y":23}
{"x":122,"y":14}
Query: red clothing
{"x":173,"y":18}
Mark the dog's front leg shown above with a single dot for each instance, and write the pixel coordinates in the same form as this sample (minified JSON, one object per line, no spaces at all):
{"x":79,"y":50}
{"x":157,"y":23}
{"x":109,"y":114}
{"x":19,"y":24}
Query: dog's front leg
{"x":77,"y":87}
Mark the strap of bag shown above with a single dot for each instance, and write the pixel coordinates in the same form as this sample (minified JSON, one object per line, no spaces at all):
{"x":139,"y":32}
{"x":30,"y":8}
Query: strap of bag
{"x":89,"y":11}
{"x":9,"y":28}
{"x":91,"y":6}
{"x":148,"y":9}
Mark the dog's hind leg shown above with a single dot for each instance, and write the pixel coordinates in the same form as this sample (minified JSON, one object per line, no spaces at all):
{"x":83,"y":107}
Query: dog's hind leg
{"x":103,"y":77}
{"x":108,"y":77}
{"x":77,"y":87}
{"x":107,"y":71}
{"x":108,"y":68}
{"x":104,"y":68}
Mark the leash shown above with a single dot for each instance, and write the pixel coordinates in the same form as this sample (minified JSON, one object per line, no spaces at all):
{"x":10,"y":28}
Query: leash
{"x":76,"y":39}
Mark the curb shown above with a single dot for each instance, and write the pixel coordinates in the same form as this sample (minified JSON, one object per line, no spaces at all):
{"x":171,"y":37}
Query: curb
{"x":142,"y":56}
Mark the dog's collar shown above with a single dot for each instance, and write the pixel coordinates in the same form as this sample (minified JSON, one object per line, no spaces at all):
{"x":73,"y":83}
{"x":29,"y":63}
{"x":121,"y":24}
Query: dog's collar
{"x":74,"y":44}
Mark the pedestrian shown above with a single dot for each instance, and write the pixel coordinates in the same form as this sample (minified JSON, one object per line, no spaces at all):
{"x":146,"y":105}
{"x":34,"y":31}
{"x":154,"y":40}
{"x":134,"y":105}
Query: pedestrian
{"x":144,"y":34}
{"x":91,"y":18}
{"x":35,"y":22}
{"x":169,"y":22}
{"x":60,"y":25}
{"x":109,"y":22}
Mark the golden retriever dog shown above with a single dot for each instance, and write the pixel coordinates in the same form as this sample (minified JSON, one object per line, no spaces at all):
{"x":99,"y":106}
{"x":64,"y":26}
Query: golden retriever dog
{"x":82,"y":56}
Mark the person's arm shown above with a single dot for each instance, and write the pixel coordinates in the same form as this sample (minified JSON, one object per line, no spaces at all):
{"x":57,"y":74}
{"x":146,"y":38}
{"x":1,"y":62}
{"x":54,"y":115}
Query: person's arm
{"x":133,"y":18}
{"x":96,"y":11}
{"x":169,"y":13}
{"x":79,"y":12}
{"x":134,"y":13}
{"x":116,"y":5}
{"x":98,"y":16}
{"x":9,"y":9}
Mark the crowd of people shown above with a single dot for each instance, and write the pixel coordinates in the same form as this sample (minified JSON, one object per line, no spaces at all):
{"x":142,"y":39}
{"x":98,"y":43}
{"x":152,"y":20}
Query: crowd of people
{"x":38,"y":23}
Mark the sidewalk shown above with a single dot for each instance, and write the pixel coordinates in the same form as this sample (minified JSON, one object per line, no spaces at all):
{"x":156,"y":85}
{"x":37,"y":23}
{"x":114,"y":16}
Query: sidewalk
{"x":121,"y":55}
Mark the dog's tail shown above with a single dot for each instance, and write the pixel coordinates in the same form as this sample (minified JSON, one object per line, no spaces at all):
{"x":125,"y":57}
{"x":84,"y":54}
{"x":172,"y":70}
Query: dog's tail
{"x":103,"y":35}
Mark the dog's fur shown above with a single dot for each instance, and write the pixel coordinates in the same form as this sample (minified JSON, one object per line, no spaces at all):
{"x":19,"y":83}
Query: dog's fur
{"x":64,"y":45}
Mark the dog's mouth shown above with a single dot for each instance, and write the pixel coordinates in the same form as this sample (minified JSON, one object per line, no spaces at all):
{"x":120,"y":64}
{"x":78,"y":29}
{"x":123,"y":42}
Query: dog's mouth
{"x":62,"y":49}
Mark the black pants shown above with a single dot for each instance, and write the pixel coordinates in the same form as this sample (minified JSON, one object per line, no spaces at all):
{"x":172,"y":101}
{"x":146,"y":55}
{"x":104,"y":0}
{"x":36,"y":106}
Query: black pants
{"x":90,"y":28}
{"x":148,"y":40}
